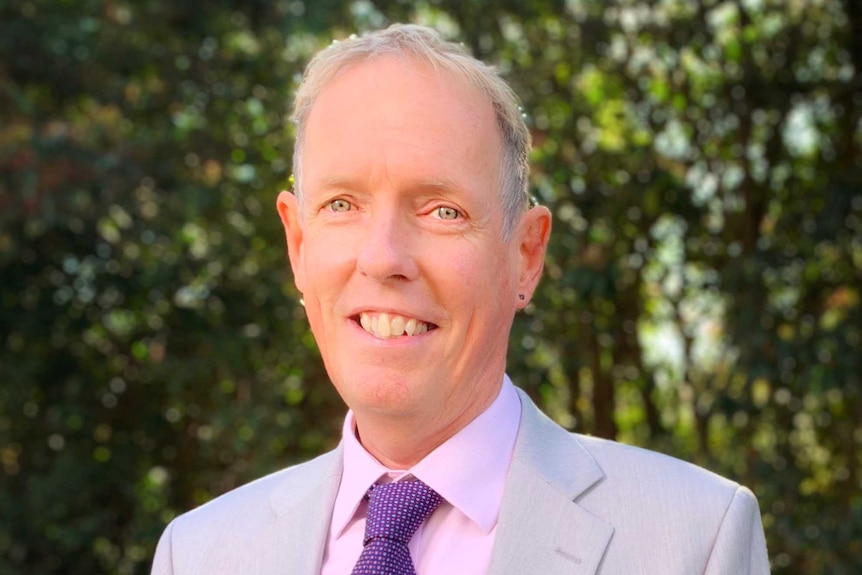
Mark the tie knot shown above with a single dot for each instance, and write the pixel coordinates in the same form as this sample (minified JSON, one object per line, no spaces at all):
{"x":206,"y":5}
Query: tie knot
{"x":396,"y":510}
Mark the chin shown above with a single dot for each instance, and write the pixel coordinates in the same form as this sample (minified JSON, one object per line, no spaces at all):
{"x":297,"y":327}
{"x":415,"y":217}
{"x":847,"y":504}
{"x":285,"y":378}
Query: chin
{"x":376,"y":392}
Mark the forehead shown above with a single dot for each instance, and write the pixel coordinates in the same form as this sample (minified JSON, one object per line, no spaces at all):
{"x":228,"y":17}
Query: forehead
{"x":403,"y":112}
{"x":402,"y":83}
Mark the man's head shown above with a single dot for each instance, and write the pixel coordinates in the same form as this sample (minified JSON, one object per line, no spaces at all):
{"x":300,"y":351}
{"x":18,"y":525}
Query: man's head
{"x":400,"y":244}
{"x":427,"y":46}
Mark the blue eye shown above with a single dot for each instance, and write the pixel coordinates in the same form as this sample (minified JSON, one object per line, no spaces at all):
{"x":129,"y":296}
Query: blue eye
{"x":447,"y":213}
{"x":339,"y":206}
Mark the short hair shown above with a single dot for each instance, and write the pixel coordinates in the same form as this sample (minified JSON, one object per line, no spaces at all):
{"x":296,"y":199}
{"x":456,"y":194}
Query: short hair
{"x":426,"y":44}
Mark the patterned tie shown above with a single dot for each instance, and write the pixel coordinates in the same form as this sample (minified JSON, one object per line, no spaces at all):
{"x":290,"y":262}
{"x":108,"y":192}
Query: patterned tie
{"x":395,"y":512}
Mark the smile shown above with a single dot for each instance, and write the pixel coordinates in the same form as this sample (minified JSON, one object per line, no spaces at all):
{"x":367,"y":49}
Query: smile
{"x":388,"y":325}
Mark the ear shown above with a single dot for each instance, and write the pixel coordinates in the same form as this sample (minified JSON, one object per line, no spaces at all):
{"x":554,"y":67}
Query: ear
{"x":533,"y":233}
{"x":288,"y":210}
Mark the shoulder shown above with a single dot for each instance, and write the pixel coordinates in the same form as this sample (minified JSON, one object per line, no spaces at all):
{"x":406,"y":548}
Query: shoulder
{"x":667,"y":515}
{"x":238,"y":531}
{"x":704,"y":522}
{"x":649,"y":470}
{"x":679,"y":501}
{"x":610,"y":467}
{"x":658,"y":484}
{"x":249,"y":508}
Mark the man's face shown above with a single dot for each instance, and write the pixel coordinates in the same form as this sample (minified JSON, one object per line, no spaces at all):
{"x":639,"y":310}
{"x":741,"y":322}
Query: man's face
{"x":397,"y":245}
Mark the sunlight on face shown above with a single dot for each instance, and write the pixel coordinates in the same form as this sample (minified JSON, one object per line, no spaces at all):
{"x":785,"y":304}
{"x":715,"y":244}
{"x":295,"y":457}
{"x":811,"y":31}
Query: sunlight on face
{"x":409,"y":288}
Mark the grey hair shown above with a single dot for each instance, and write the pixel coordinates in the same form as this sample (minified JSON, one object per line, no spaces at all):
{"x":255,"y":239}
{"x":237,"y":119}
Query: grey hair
{"x":426,"y":44}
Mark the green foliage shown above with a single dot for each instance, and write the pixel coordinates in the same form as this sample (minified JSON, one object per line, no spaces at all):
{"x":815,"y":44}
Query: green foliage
{"x":702,"y":286}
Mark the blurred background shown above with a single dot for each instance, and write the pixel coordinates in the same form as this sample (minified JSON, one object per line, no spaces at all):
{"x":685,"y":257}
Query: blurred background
{"x":703,"y":161}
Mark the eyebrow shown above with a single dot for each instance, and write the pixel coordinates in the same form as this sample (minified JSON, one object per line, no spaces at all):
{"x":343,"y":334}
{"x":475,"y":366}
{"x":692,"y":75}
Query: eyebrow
{"x":419,"y":184}
{"x":340,"y":183}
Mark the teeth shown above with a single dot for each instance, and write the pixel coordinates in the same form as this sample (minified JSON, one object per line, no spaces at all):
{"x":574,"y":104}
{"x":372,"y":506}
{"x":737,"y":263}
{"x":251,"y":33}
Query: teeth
{"x":397,"y":326}
{"x":385,"y":325}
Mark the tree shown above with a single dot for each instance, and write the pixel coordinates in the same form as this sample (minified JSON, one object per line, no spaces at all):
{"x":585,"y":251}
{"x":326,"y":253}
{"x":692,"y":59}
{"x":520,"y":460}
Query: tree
{"x":701,"y":294}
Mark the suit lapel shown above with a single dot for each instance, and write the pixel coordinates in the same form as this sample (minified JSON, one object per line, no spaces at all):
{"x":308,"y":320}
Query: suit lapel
{"x":303,"y":507}
{"x":541,"y":528}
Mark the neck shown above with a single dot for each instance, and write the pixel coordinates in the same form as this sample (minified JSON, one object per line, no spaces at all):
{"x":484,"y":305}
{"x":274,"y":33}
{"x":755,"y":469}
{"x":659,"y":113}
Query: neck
{"x":402,"y":442}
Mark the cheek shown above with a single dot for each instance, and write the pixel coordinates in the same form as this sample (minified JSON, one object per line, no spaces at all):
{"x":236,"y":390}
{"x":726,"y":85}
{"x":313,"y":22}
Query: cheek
{"x":312,"y":298}
{"x":326,"y":265}
{"x":484,"y":279}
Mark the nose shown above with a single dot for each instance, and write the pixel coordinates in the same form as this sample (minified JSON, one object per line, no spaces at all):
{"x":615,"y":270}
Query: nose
{"x":385,"y":251}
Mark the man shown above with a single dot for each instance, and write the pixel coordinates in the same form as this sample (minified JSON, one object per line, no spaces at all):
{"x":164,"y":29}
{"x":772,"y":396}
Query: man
{"x":413,"y":243}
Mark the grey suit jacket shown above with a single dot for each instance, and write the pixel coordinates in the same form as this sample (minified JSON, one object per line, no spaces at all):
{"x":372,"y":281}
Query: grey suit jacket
{"x":572,"y":505}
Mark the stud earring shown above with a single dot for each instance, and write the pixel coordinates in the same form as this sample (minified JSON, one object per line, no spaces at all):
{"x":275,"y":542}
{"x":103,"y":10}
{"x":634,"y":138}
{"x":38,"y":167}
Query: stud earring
{"x":521,"y":296}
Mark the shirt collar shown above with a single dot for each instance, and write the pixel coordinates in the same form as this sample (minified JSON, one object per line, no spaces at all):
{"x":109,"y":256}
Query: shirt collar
{"x":468,"y":470}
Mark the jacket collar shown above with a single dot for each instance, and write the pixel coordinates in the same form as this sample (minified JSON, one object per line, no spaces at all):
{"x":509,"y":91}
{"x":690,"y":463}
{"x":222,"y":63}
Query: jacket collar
{"x":542,"y":529}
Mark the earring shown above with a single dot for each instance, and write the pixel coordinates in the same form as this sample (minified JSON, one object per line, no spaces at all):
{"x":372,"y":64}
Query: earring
{"x":521,"y":296}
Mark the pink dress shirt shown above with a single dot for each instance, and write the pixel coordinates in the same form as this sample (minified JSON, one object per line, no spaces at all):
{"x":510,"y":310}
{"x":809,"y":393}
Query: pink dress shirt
{"x":469,"y":470}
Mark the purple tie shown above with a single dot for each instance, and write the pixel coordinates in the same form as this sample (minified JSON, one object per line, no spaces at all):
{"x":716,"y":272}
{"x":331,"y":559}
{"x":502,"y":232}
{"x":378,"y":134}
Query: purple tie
{"x":395,"y":512}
